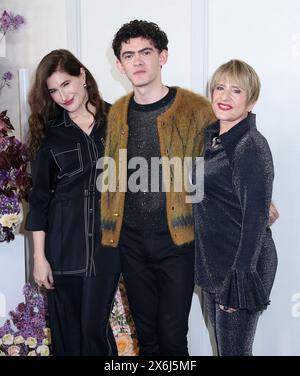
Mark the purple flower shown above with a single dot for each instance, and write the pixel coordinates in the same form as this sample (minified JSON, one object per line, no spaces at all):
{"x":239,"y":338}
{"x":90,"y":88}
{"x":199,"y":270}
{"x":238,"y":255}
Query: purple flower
{"x":9,"y":205}
{"x":29,"y":319}
{"x":7,"y":76}
{"x":10,"y":21}
{"x":5,"y":22}
{"x":15,"y":182}
{"x":6,"y":328}
{"x":17,"y":21}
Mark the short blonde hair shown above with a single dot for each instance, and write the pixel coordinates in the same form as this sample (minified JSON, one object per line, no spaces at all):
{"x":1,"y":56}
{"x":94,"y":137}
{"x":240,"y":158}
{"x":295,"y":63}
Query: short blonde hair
{"x":241,"y":73}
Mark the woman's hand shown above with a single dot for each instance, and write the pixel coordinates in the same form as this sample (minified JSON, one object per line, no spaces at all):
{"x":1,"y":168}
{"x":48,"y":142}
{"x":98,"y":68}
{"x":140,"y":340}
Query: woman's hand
{"x":226,"y":309}
{"x":273,"y":214}
{"x":42,"y":273}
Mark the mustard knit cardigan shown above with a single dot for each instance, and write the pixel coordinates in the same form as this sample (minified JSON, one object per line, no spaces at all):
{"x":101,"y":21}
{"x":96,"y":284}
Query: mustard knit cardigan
{"x":181,"y":134}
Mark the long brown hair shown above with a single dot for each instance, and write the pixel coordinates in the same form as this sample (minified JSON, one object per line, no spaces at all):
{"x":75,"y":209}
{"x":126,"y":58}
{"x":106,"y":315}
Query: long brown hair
{"x":43,"y":108}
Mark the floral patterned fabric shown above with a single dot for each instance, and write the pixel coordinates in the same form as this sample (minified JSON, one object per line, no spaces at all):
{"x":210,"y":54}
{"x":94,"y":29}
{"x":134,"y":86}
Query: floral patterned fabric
{"x":122,"y":324}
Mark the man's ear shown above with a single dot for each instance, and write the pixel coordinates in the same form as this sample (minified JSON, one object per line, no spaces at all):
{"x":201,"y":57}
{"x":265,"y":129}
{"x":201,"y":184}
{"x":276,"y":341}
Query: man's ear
{"x":163,"y":57}
{"x":120,"y":66}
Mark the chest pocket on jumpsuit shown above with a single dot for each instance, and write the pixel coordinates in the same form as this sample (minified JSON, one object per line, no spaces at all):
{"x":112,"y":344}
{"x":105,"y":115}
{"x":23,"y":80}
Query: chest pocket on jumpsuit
{"x":69,"y":161}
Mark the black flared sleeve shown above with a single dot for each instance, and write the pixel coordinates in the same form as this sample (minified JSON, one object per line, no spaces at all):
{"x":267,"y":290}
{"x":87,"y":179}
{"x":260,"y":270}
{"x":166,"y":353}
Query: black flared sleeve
{"x":252,"y":180}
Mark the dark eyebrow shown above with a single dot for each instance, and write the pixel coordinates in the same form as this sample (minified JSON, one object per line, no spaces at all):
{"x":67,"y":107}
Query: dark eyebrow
{"x":127,"y":52}
{"x":146,"y":49}
{"x":140,"y":51}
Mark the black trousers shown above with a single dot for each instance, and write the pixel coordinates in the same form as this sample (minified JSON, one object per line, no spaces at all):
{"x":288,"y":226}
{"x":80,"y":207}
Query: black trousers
{"x":235,"y":331}
{"x":159,"y":279}
{"x":79,"y":310}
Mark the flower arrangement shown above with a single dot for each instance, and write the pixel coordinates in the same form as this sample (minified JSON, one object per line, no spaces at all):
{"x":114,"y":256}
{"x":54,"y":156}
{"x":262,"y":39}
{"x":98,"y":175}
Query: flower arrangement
{"x":9,"y":21}
{"x":122,"y":324}
{"x":15,"y":182}
{"x":26,"y":332}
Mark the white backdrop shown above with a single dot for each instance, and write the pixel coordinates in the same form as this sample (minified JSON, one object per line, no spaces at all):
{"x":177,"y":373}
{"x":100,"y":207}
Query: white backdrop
{"x":99,"y":23}
{"x":203,"y":34}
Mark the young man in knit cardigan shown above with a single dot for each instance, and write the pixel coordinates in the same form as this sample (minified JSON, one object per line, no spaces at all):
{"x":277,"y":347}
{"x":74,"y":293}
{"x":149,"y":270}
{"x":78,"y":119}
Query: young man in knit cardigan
{"x":153,"y":230}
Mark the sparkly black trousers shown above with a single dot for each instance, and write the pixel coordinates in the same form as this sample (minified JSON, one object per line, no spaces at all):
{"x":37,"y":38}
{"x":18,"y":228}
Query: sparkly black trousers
{"x":234,"y":332}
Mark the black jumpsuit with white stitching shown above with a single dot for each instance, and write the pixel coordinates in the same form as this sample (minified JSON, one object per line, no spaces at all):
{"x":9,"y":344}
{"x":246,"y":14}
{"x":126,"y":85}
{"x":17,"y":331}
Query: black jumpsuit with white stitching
{"x":64,"y":202}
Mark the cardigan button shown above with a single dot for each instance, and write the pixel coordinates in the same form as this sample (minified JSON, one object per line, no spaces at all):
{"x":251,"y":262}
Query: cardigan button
{"x":116,"y":214}
{"x":111,"y":241}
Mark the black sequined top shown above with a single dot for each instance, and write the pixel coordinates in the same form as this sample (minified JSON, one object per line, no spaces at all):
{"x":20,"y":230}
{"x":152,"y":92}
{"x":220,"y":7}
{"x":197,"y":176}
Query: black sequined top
{"x":235,"y":254}
{"x":146,"y":208}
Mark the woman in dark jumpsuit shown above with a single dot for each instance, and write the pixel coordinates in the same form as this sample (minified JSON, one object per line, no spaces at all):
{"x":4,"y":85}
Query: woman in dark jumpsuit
{"x":66,"y":138}
{"x":236,"y":258}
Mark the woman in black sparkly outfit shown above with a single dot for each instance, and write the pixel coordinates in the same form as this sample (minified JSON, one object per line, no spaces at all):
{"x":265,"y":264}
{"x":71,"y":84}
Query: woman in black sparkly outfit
{"x":236,"y":258}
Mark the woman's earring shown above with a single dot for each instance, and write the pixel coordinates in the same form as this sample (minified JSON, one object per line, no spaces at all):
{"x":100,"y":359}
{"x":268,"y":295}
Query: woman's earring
{"x":84,"y":85}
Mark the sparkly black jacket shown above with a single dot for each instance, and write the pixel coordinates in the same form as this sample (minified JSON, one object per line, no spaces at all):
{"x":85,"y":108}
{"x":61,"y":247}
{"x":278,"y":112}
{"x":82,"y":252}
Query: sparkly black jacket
{"x":235,"y":254}
{"x":64,"y":201}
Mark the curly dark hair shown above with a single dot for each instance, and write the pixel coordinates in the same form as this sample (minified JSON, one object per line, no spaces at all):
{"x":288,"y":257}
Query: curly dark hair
{"x":42,"y":107}
{"x":139,"y":28}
